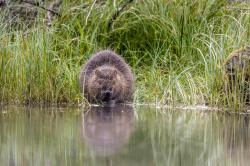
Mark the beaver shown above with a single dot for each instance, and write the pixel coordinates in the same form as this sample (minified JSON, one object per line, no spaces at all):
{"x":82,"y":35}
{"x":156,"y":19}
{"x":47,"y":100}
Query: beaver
{"x":237,"y":67}
{"x":2,"y":3}
{"x":107,"y":78}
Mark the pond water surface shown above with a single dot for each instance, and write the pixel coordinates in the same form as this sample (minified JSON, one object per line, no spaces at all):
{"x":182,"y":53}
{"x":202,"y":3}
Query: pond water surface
{"x":122,"y":136}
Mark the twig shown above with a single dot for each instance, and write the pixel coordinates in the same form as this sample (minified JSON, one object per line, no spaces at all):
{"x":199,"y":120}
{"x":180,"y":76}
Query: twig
{"x":117,"y":13}
{"x":42,"y":7}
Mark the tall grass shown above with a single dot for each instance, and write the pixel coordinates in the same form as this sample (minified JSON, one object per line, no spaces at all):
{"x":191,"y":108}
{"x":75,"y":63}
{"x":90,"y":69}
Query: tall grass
{"x":175,"y":48}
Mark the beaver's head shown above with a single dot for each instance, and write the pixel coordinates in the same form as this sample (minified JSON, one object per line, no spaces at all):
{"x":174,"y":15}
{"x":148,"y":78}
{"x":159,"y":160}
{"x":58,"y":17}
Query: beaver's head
{"x":105,"y":84}
{"x":238,"y":66}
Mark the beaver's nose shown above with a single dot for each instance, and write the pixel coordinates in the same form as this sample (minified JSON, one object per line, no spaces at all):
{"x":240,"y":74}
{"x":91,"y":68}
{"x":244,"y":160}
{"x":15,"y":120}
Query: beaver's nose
{"x":106,"y":95}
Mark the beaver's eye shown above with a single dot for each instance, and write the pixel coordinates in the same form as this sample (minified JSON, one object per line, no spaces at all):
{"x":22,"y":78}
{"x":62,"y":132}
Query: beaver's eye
{"x":98,"y":83}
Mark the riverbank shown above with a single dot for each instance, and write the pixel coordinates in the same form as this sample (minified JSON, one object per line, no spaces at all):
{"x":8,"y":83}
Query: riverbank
{"x":176,"y":50}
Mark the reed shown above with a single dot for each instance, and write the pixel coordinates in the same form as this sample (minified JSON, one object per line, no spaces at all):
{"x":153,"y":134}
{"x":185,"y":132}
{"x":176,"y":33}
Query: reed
{"x":175,"y":48}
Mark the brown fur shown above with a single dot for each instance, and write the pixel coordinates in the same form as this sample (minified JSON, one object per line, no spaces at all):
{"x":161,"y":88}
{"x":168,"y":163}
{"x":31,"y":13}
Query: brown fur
{"x":106,"y":72}
{"x":237,"y":67}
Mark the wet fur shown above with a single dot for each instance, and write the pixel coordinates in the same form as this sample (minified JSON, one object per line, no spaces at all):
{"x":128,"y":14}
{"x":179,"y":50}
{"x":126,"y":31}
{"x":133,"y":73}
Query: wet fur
{"x":108,"y":63}
{"x":237,"y":67}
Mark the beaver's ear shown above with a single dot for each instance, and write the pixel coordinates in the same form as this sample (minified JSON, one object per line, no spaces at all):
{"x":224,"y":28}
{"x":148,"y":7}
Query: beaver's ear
{"x":98,"y":72}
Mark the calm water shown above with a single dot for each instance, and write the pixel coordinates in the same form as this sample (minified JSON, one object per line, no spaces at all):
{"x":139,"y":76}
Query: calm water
{"x":122,"y":136}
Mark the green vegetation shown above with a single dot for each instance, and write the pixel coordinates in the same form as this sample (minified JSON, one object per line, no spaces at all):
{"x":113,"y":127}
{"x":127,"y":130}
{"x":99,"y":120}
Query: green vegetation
{"x":176,"y":49}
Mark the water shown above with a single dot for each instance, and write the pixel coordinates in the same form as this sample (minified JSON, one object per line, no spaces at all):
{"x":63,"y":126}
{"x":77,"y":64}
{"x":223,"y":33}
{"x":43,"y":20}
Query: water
{"x":122,"y":136}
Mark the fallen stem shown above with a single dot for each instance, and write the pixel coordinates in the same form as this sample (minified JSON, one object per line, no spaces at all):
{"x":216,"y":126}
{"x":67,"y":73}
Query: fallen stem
{"x":42,"y":7}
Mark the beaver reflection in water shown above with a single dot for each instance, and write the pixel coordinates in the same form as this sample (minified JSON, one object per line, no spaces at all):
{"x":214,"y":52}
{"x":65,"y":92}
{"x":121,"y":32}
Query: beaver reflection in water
{"x":108,"y":129}
{"x":106,"y":78}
